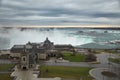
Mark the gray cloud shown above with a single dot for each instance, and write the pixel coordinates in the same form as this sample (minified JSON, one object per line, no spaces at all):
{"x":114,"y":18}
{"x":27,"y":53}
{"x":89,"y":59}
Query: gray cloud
{"x":59,"y":12}
{"x":108,"y":15}
{"x":0,"y":2}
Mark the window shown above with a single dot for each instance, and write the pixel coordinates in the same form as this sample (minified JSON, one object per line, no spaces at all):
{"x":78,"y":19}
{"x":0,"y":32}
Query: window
{"x":23,"y":58}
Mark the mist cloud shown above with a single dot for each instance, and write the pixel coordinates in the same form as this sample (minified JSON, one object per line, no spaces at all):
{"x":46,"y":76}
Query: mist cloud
{"x":18,"y":36}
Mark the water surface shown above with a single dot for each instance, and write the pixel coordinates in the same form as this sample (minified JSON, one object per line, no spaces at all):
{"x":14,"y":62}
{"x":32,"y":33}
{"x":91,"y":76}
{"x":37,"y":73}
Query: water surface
{"x":79,"y":37}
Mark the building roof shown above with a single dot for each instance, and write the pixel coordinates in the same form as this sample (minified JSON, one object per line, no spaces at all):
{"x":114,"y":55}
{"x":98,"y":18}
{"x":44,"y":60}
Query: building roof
{"x":47,"y":40}
{"x":63,"y":46}
{"x":28,"y":46}
{"x":18,"y":46}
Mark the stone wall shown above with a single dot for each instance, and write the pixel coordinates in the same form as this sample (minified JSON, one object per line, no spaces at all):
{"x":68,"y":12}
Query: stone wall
{"x":15,"y":55}
{"x":42,"y":56}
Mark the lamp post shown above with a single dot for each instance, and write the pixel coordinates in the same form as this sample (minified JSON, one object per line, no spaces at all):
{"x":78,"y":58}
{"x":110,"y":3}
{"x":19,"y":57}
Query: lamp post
{"x":103,"y":77}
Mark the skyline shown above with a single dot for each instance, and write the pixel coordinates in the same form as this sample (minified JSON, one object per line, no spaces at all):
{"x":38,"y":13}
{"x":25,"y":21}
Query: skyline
{"x":59,"y":26}
{"x":61,"y":13}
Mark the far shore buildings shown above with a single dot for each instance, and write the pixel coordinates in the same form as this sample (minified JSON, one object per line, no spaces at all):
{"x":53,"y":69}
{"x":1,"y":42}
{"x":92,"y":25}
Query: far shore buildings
{"x":30,"y":53}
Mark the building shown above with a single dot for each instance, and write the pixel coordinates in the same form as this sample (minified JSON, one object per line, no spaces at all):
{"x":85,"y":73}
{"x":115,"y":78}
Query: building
{"x":30,"y":53}
{"x":24,"y":60}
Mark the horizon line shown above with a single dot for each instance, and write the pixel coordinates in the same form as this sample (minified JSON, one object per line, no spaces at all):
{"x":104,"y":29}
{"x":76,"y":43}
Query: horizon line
{"x":62,"y":26}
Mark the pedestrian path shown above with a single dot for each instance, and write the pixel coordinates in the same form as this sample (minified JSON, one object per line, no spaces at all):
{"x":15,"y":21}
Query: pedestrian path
{"x":97,"y":74}
{"x":30,"y":74}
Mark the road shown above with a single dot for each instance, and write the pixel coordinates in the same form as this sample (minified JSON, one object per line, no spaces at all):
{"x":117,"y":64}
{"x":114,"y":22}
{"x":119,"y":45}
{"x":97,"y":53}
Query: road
{"x":96,"y":73}
{"x":79,"y":64}
{"x":103,"y":57}
{"x":5,"y":61}
{"x":4,"y":72}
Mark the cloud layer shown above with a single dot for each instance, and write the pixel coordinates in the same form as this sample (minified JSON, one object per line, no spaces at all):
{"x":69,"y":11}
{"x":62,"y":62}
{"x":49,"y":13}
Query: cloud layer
{"x":59,"y":12}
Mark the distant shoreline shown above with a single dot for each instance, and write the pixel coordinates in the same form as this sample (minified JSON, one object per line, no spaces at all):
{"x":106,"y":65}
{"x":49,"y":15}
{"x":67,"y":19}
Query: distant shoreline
{"x":105,"y":28}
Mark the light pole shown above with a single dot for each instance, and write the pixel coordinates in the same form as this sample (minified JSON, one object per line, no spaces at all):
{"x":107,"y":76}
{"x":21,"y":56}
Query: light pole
{"x":103,"y":77}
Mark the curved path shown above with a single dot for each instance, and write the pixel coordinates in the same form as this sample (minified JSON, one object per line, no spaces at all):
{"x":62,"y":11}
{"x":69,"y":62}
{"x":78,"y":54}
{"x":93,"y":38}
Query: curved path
{"x":96,"y":73}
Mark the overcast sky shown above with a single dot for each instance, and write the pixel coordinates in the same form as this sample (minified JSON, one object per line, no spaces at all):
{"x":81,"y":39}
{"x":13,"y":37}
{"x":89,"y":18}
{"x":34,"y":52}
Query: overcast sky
{"x":59,"y":12}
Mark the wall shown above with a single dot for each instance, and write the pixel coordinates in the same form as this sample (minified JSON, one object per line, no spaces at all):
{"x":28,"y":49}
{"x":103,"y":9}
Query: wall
{"x":15,"y":55}
{"x":42,"y":56}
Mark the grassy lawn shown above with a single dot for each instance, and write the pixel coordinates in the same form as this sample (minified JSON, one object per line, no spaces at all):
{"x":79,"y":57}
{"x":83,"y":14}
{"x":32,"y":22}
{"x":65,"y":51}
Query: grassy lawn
{"x":5,"y":77}
{"x":112,"y":51}
{"x":76,"y":58}
{"x":74,"y":73}
{"x":98,"y":51}
{"x":6,"y":67}
{"x":114,"y":60}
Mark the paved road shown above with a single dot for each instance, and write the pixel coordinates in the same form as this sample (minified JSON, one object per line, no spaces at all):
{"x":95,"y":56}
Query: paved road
{"x":5,"y":61}
{"x":2,"y":72}
{"x":80,"y":64}
{"x":103,"y":57}
{"x":96,"y":73}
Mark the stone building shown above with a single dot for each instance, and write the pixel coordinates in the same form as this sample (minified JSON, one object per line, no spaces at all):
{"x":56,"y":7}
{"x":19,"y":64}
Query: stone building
{"x":16,"y":51}
{"x":30,"y":53}
{"x":24,"y":60}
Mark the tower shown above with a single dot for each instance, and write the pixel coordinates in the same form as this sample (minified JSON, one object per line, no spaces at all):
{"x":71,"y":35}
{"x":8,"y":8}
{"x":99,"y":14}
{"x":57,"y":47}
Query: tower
{"x":48,"y":45}
{"x":24,"y":61}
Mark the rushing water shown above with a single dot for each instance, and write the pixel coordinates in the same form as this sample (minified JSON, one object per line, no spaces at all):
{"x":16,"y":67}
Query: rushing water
{"x":76,"y":36}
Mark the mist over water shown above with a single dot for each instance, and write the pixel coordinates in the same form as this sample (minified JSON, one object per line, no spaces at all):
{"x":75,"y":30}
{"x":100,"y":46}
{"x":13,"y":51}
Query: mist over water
{"x":18,"y":36}
{"x":75,"y":37}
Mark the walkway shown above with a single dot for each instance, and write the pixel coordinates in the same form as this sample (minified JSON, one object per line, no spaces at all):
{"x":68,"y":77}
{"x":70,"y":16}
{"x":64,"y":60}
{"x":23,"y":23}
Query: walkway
{"x":30,"y":74}
{"x":96,"y":73}
{"x":103,"y":57}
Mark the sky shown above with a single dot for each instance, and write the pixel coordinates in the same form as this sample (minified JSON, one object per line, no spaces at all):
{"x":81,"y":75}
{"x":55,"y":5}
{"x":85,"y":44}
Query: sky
{"x":59,"y":12}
